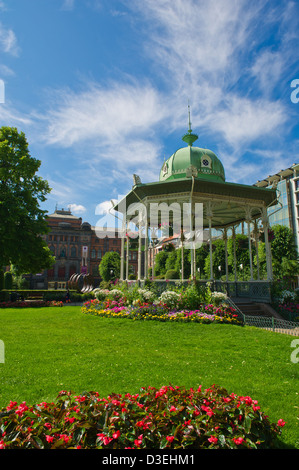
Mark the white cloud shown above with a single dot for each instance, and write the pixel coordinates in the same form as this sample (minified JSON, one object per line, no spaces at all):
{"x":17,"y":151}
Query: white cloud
{"x":205,"y":48}
{"x":106,"y":115}
{"x":8,"y":41}
{"x":104,"y":207}
{"x":244,"y":120}
{"x":77,"y":208}
{"x":268,"y":69}
{"x":13,"y":117}
{"x":68,"y":5}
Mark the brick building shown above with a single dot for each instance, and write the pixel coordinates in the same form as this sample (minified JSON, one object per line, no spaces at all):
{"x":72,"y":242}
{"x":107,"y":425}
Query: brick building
{"x":77,"y":249}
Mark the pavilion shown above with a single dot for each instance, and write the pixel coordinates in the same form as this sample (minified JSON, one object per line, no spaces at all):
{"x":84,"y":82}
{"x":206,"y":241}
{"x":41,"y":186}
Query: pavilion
{"x":195,"y":177}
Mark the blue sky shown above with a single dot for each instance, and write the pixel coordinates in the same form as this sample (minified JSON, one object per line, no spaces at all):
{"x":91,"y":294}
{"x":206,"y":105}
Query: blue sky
{"x":101,"y":89}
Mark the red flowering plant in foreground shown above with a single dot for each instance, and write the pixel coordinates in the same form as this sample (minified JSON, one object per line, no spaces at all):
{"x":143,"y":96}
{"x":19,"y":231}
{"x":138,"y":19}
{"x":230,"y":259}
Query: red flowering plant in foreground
{"x":165,"y":418}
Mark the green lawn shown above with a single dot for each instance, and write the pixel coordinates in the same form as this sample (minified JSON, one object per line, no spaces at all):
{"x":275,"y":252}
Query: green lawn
{"x":53,"y":349}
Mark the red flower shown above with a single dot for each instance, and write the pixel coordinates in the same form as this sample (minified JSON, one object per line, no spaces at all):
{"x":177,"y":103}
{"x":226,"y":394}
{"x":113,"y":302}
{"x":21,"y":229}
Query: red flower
{"x":213,"y":439}
{"x":169,"y":438}
{"x":238,"y":440}
{"x":116,"y":434}
{"x":281,"y":423}
{"x":49,"y":439}
{"x":138,"y":441}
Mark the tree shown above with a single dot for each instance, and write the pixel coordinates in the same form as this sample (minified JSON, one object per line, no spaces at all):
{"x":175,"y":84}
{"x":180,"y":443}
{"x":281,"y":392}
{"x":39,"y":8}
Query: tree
{"x":186,"y":260}
{"x":22,"y":222}
{"x":8,"y":280}
{"x":283,"y":243}
{"x":218,"y":257}
{"x":109,"y":267}
{"x":160,"y":263}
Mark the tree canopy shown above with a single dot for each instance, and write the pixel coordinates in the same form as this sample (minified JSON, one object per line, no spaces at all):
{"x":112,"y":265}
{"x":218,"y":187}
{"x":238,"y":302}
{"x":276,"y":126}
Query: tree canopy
{"x":22,"y":222}
{"x":109,"y":267}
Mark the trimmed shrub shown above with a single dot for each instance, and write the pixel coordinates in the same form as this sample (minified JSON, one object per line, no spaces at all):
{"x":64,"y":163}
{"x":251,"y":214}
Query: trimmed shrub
{"x":8,"y":280}
{"x":172,"y":274}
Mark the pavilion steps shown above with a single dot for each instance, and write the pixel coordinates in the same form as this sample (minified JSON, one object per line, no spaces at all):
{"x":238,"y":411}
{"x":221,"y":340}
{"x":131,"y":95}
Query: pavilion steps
{"x":258,"y":309}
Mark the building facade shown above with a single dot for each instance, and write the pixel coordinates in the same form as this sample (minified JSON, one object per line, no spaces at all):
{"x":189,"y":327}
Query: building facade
{"x":77,"y":249}
{"x":286,"y":211}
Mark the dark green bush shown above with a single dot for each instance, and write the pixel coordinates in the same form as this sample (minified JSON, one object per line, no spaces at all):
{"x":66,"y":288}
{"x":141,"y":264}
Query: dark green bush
{"x":172,"y":274}
{"x":8,"y":280}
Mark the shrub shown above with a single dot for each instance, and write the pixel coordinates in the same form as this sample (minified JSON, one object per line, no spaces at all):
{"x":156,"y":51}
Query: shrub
{"x":172,"y":274}
{"x":170,"y":299}
{"x":218,"y":298}
{"x":31,"y":304}
{"x":145,"y":295}
{"x":165,"y":418}
{"x":287,"y":296}
{"x":8,"y":280}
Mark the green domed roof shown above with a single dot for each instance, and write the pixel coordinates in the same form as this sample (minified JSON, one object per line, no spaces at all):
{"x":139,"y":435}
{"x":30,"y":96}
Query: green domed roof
{"x":187,"y":161}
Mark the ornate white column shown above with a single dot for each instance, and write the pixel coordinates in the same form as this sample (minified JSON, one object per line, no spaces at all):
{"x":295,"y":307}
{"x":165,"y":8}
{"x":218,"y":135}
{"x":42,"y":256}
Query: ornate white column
{"x":226,"y":258}
{"x":139,"y":248}
{"x":122,"y":249}
{"x":127,"y":255}
{"x":209,"y":216}
{"x":235,"y":257}
{"x":257,"y":249}
{"x":265,"y":221}
{"x":146,"y":251}
{"x":248,"y":221}
{"x":211,"y":249}
{"x":182,"y":253}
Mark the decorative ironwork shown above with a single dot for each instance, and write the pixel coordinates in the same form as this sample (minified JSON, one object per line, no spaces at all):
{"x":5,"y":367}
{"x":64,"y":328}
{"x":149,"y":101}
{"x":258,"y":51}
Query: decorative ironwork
{"x":267,"y":323}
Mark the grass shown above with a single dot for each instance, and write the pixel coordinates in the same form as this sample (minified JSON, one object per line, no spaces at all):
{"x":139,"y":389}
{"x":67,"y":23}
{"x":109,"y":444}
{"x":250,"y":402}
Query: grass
{"x":53,"y":349}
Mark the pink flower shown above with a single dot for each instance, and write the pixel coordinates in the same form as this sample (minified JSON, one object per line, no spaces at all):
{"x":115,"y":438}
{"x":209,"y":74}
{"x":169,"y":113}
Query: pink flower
{"x":116,"y":434}
{"x":238,"y":440}
{"x":213,"y":439}
{"x":2,"y":445}
{"x":281,"y":423}
{"x":138,"y":441}
{"x":106,"y":439}
{"x":172,"y":408}
{"x":49,"y":439}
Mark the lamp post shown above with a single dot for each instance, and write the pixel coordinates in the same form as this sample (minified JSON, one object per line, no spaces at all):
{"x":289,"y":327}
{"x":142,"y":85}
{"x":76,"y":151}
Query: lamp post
{"x":241,"y":267}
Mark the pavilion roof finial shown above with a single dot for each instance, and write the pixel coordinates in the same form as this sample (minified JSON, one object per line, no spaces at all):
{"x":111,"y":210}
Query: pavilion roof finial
{"x":189,"y":138}
{"x":189,"y":119}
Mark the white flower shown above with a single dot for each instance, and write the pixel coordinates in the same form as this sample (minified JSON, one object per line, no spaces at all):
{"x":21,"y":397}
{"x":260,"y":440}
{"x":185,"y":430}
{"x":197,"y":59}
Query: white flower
{"x":287,"y":296}
{"x":101,"y":294}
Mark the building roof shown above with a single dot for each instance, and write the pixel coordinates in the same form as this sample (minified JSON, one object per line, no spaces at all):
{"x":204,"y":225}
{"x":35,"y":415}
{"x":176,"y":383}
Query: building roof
{"x":271,"y":179}
{"x":194,"y":161}
{"x":63,"y":214}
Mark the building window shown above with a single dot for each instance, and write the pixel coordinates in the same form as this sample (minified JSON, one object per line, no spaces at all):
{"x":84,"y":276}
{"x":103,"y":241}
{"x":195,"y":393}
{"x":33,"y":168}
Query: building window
{"x":63,"y":252}
{"x":99,"y":254}
{"x":72,"y":270}
{"x":206,"y":161}
{"x":73,"y":252}
{"x":93,"y":253}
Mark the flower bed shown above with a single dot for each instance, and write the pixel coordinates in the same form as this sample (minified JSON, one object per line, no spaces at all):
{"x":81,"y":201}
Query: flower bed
{"x":32,"y":303}
{"x":161,"y":312}
{"x":169,"y":417}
